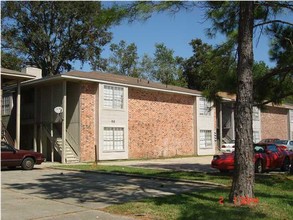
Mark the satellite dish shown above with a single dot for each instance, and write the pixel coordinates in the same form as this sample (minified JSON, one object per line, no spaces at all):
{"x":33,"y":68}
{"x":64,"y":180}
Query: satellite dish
{"x":58,"y":109}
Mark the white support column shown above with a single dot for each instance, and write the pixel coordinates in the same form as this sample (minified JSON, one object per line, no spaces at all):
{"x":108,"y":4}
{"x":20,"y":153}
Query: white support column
{"x":35,"y":137}
{"x":195,"y":135}
{"x":17,"y":139}
{"x":51,"y":125}
{"x":35,"y":120}
{"x":52,"y":144}
{"x":64,"y":103}
{"x":41,"y":138}
{"x":233,"y":121}
{"x":221,"y":124}
{"x":41,"y":120}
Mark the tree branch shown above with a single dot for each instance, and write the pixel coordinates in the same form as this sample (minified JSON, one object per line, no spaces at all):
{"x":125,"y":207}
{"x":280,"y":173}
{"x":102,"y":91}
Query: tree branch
{"x":275,"y":72}
{"x":273,"y":101}
{"x":287,"y":5}
{"x":273,"y":21}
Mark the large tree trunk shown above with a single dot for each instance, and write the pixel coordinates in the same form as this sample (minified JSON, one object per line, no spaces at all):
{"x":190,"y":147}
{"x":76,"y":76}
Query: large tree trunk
{"x":243,"y":180}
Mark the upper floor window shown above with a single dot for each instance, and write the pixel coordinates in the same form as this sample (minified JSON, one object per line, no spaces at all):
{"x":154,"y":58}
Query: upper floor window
{"x":6,"y":104}
{"x":291,"y":116}
{"x":204,"y":107}
{"x":113,"y":97}
{"x":255,"y":114}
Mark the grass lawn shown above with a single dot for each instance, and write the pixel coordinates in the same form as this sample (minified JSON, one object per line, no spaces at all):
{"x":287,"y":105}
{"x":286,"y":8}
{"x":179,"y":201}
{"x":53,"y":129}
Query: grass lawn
{"x":274,"y":192}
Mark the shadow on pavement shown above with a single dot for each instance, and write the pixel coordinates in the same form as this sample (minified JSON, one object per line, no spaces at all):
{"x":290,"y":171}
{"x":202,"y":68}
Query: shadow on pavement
{"x":79,"y":187}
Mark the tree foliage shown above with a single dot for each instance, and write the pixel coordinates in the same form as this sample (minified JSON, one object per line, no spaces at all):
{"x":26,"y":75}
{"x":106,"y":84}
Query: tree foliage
{"x":11,"y":61}
{"x":53,"y":34}
{"x":274,"y":84}
{"x":167,"y":67}
{"x":162,"y":67}
{"x":123,"y":60}
{"x":211,"y":69}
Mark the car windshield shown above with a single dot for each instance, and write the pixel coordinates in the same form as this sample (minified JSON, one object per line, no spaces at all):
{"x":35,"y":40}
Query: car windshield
{"x":281,"y":142}
{"x":259,"y":149}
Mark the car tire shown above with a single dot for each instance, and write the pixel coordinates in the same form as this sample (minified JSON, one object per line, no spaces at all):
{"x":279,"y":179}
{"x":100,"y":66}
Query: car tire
{"x":286,"y":164}
{"x":28,"y":163}
{"x":224,"y":171}
{"x":259,"y":167}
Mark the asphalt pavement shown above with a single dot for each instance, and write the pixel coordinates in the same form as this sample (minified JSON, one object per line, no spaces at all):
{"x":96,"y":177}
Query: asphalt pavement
{"x":46,"y":193}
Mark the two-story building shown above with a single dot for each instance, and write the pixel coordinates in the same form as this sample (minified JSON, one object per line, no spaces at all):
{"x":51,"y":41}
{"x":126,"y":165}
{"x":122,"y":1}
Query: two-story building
{"x":88,"y":116}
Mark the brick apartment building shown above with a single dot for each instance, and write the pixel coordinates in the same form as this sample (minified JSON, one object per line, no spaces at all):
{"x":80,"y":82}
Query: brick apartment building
{"x":81,"y":116}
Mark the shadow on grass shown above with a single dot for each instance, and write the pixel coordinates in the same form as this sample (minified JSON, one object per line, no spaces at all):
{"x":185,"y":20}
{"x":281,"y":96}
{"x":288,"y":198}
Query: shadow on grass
{"x":195,"y":205}
{"x":214,"y":177}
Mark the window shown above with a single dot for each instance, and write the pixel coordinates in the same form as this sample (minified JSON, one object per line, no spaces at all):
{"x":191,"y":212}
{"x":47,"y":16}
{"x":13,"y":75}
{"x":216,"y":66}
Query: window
{"x":256,"y":137}
{"x":205,"y":139}
{"x":6,"y":104}
{"x":272,"y":148}
{"x":291,"y":116}
{"x":204,"y":107}
{"x":113,"y":139}
{"x":113,"y":97}
{"x":5,"y":147}
{"x":255,"y":114}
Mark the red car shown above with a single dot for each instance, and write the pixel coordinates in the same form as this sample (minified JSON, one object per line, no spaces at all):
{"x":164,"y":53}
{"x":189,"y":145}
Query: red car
{"x":267,"y":157}
{"x":11,"y":157}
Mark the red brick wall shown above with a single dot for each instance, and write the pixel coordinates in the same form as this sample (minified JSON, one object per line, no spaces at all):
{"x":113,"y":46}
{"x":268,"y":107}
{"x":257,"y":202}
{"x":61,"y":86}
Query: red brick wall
{"x":87,"y":121}
{"x":274,"y":123}
{"x":159,"y":124}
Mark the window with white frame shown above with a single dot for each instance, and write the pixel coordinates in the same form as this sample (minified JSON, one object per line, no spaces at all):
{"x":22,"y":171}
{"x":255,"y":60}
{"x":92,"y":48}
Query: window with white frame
{"x":291,"y":116}
{"x":6,"y":105}
{"x":204,"y":107}
{"x":205,"y":139}
{"x":113,"y":97}
{"x":256,"y":137}
{"x":113,"y":139}
{"x":255,"y":114}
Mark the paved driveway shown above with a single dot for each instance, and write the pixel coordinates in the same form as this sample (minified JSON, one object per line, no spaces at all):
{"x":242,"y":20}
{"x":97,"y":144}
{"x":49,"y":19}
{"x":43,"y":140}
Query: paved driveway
{"x":45,"y":193}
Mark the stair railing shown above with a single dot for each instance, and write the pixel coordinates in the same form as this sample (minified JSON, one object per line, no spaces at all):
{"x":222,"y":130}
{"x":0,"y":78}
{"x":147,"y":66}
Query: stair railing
{"x":6,"y":136}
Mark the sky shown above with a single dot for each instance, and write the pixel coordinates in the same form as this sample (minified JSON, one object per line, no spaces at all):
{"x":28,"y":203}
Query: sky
{"x":176,"y":32}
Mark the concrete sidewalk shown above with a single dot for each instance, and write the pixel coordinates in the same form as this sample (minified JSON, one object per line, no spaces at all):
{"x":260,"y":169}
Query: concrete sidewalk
{"x":198,"y":164}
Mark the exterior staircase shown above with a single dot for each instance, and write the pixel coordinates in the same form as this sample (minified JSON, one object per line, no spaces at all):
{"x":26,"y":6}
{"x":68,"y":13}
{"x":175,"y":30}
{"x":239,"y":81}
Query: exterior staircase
{"x":5,"y":136}
{"x":227,"y":140}
{"x":70,"y":155}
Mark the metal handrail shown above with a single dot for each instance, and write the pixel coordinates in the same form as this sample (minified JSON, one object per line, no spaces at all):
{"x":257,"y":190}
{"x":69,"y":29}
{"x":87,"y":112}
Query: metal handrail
{"x":71,"y":141}
{"x":6,"y":136}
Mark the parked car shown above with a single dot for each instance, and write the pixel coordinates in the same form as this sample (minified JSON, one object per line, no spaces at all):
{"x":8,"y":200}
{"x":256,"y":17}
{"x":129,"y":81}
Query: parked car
{"x":287,"y":143}
{"x":11,"y":157}
{"x":269,"y":140}
{"x":227,"y":147}
{"x":266,"y":157}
